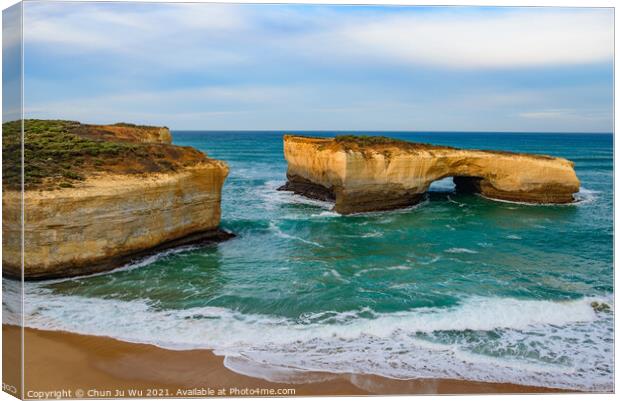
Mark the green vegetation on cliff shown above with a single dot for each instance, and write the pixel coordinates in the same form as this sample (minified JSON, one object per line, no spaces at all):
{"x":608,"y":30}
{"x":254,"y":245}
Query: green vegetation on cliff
{"x":59,"y":153}
{"x":130,"y":125}
{"x":379,"y":143}
{"x":367,"y":140}
{"x":363,"y":141}
{"x":382,"y":144}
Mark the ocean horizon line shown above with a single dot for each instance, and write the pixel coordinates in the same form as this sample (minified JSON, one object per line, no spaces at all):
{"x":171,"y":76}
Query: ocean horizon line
{"x":395,"y":132}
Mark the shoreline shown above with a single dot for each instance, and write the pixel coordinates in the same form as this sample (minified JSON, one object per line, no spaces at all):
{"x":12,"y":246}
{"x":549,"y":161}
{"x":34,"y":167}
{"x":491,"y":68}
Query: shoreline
{"x":57,"y":360}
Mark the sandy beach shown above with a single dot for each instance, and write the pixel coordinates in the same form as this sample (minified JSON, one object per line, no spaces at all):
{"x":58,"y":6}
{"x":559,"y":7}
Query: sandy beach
{"x":100,"y":367}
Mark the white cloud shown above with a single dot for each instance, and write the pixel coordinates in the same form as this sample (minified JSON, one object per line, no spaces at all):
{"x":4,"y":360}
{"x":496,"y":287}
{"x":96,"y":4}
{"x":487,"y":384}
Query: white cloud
{"x":270,"y":67}
{"x":545,"y":114}
{"x":449,"y":37}
{"x":186,"y":36}
{"x":91,"y":26}
{"x":566,"y":115}
{"x":485,"y":40}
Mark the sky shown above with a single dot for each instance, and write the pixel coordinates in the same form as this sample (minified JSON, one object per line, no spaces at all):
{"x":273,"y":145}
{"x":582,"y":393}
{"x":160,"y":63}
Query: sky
{"x":302,"y":67}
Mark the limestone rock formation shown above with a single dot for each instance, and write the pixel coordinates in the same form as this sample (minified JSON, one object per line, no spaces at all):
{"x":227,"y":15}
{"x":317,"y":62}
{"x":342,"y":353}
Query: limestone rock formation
{"x":376,"y":173}
{"x":108,"y":200}
{"x":136,"y":133}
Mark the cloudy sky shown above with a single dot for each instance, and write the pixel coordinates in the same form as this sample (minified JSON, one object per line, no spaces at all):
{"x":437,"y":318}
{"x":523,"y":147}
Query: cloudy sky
{"x":293,"y":67}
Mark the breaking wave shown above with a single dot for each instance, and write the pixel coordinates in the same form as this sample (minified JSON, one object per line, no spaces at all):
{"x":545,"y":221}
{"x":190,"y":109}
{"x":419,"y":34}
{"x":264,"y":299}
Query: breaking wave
{"x":424,"y":342}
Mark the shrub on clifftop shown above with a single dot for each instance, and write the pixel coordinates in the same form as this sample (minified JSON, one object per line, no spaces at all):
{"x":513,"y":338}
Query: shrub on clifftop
{"x":59,"y":153}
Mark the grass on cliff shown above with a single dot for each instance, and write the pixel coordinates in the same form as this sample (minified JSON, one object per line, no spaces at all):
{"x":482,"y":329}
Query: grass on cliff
{"x":59,"y":153}
{"x":382,"y":144}
{"x":130,"y":125}
{"x":366,"y":140}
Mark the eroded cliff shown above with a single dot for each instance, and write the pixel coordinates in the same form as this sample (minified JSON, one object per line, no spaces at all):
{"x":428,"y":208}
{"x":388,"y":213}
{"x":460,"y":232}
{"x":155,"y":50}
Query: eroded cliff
{"x":375,"y":173}
{"x":97,"y":197}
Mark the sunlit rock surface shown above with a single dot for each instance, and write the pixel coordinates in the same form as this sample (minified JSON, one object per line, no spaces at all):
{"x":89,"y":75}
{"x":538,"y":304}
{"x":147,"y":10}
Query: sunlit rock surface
{"x":124,"y":204}
{"x":364,"y":174}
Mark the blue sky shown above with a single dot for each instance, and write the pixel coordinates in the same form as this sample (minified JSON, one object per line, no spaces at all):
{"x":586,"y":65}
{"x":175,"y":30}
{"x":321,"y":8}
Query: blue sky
{"x":294,"y":67}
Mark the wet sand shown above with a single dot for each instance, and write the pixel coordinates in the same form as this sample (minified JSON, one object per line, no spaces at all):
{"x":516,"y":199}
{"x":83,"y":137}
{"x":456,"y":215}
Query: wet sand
{"x":101,"y":367}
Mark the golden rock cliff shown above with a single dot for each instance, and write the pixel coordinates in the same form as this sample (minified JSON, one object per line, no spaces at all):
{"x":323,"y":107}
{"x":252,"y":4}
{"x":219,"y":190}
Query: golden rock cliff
{"x":146,"y":200}
{"x":375,"y":173}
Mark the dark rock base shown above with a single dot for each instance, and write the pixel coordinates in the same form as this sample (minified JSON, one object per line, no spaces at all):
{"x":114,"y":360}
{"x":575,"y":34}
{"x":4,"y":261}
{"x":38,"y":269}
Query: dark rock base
{"x":309,"y":189}
{"x":389,"y":199}
{"x":350,"y":203}
{"x":395,"y":197}
{"x":201,"y":238}
{"x":545,"y":195}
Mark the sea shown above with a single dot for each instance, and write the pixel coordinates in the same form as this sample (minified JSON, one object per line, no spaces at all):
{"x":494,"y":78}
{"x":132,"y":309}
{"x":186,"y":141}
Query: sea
{"x":457,"y":286}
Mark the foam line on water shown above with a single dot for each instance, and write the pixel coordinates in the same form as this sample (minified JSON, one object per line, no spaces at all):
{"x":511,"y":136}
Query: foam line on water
{"x":403,"y":344}
{"x":325,"y":214}
{"x":477,"y":313}
{"x":584,"y":196}
{"x":136,"y":264}
{"x":249,"y":367}
{"x":461,"y":250}
{"x":274,"y":198}
{"x":284,"y":235}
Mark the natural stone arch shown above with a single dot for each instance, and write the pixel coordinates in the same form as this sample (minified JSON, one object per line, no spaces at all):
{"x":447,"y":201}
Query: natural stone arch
{"x":376,"y":173}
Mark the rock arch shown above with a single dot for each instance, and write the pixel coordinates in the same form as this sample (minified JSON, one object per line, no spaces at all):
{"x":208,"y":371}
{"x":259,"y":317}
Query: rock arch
{"x":375,"y":173}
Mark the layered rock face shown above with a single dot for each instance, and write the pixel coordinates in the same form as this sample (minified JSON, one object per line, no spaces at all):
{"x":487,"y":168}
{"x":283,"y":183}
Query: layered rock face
{"x":113,"y":216}
{"x":374,"y":173}
{"x":109,"y":220}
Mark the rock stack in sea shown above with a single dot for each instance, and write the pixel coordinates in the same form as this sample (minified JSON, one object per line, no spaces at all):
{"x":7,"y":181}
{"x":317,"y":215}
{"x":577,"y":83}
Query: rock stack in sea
{"x":362,"y":174}
{"x":96,"y":197}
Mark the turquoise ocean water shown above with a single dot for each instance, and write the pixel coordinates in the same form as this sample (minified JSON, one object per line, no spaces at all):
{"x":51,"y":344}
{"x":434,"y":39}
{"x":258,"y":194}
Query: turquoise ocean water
{"x":456,"y":287}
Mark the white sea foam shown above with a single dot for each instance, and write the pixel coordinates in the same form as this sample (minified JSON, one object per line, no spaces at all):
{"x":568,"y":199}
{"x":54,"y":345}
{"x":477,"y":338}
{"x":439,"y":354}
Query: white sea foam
{"x":584,"y":196}
{"x":274,"y":227}
{"x":44,"y":309}
{"x":372,"y":234}
{"x":333,"y":273}
{"x":569,"y":334}
{"x":272,"y":372}
{"x":380,"y":269}
{"x":399,"y":267}
{"x":136,"y":264}
{"x":325,"y":214}
{"x":365,"y":271}
{"x":455,"y":202}
{"x":429,"y":262}
{"x":272,"y":198}
{"x":461,"y":250}
{"x":294,"y":198}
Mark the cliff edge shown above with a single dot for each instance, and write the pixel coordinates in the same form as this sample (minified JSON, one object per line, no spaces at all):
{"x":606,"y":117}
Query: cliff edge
{"x":364,"y":174}
{"x":96,"y":197}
